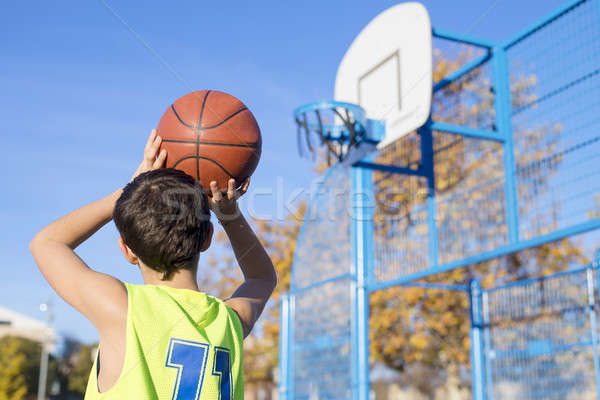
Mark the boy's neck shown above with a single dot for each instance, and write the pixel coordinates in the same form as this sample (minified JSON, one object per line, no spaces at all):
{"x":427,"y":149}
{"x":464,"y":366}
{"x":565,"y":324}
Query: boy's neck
{"x":182,"y":279}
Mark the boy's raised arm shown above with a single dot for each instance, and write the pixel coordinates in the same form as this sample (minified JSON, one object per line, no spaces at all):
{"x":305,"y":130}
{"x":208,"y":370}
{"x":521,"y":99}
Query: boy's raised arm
{"x":98,"y":296}
{"x":94,"y":294}
{"x":260,"y":278}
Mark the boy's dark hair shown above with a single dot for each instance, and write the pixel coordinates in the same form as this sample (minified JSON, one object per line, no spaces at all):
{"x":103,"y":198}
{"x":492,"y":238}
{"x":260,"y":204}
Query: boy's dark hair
{"x":163,"y":217}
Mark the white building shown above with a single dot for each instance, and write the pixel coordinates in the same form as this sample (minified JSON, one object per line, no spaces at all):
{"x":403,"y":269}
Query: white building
{"x":15,"y":324}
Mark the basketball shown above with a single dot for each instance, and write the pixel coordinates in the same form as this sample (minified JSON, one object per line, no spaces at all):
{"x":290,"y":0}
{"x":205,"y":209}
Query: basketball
{"x":211,"y":136}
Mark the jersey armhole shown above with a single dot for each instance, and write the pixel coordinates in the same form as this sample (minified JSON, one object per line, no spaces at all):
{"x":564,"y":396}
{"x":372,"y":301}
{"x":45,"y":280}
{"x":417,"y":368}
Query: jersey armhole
{"x":127,"y":344}
{"x":239,"y":326}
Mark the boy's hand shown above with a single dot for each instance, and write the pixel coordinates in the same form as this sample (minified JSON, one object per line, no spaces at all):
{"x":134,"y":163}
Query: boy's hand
{"x":151,"y":161}
{"x":225,"y":207}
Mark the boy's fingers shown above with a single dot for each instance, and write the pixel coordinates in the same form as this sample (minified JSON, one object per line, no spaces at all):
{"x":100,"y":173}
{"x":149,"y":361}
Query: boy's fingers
{"x":160,"y":160}
{"x":231,"y":189}
{"x":150,"y":140}
{"x":244,"y":187}
{"x":214,"y":188}
{"x":151,"y":153}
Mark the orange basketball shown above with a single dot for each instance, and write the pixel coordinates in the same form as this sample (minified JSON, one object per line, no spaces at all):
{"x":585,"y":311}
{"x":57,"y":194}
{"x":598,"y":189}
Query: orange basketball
{"x":211,"y":136}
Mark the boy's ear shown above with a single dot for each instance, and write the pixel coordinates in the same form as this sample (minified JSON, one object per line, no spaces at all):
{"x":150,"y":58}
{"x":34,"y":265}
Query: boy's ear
{"x":208,"y":240}
{"x":129,"y":256}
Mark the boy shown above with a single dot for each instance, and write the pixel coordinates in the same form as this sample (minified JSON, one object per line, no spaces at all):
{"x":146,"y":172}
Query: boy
{"x":164,"y":339}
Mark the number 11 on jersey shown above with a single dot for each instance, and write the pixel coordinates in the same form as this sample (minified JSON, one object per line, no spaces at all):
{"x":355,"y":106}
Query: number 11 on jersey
{"x":189,"y":358}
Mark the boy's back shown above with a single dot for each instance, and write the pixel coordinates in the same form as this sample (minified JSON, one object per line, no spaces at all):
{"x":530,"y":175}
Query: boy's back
{"x":180,"y":344}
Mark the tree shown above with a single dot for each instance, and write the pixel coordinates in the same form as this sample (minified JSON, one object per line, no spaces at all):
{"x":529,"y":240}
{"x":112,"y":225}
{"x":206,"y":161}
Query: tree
{"x":12,"y":368}
{"x":81,"y":365}
{"x":21,"y":363}
{"x":77,"y":360}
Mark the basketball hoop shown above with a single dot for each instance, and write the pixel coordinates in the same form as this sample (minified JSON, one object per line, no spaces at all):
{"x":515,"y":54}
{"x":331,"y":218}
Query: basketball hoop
{"x":338,"y":126}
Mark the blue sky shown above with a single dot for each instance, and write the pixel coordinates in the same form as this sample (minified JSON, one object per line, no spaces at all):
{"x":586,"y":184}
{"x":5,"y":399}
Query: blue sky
{"x":80,"y":94}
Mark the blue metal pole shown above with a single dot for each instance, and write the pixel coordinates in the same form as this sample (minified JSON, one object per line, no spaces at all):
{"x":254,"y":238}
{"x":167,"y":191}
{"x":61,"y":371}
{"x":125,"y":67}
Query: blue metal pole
{"x":427,"y":166}
{"x":377,"y":129}
{"x":593,"y":321}
{"x":502,"y":107}
{"x":465,"y":131}
{"x":476,"y":341}
{"x":459,"y":37}
{"x":363,"y":204}
{"x":487,"y":347}
{"x":389,"y":168}
{"x":284,"y":346}
{"x":291,"y":347}
{"x":433,"y":285}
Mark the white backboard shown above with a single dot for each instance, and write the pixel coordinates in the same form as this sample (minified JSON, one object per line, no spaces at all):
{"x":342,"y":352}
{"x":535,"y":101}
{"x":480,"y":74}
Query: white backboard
{"x":388,"y":70}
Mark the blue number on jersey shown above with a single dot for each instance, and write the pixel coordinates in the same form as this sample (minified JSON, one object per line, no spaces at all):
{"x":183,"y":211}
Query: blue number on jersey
{"x":189,"y":358}
{"x":221,"y":369}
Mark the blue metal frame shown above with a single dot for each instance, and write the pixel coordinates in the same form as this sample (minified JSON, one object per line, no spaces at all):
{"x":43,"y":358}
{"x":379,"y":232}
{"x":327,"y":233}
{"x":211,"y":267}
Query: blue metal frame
{"x":362,"y":224}
{"x":441,"y":286}
{"x":284,"y":346}
{"x":477,"y":351}
{"x":427,"y":165}
{"x":390,"y":168}
{"x":488,"y":393}
{"x":459,"y":37}
{"x":465,"y":131}
{"x":502,"y":106}
{"x":362,"y":228}
{"x":503,"y":134}
{"x":292,"y":335}
{"x":593,"y":323}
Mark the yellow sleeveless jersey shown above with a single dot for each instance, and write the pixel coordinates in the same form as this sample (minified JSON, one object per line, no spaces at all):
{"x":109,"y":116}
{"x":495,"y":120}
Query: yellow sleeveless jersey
{"x":181,"y":345}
